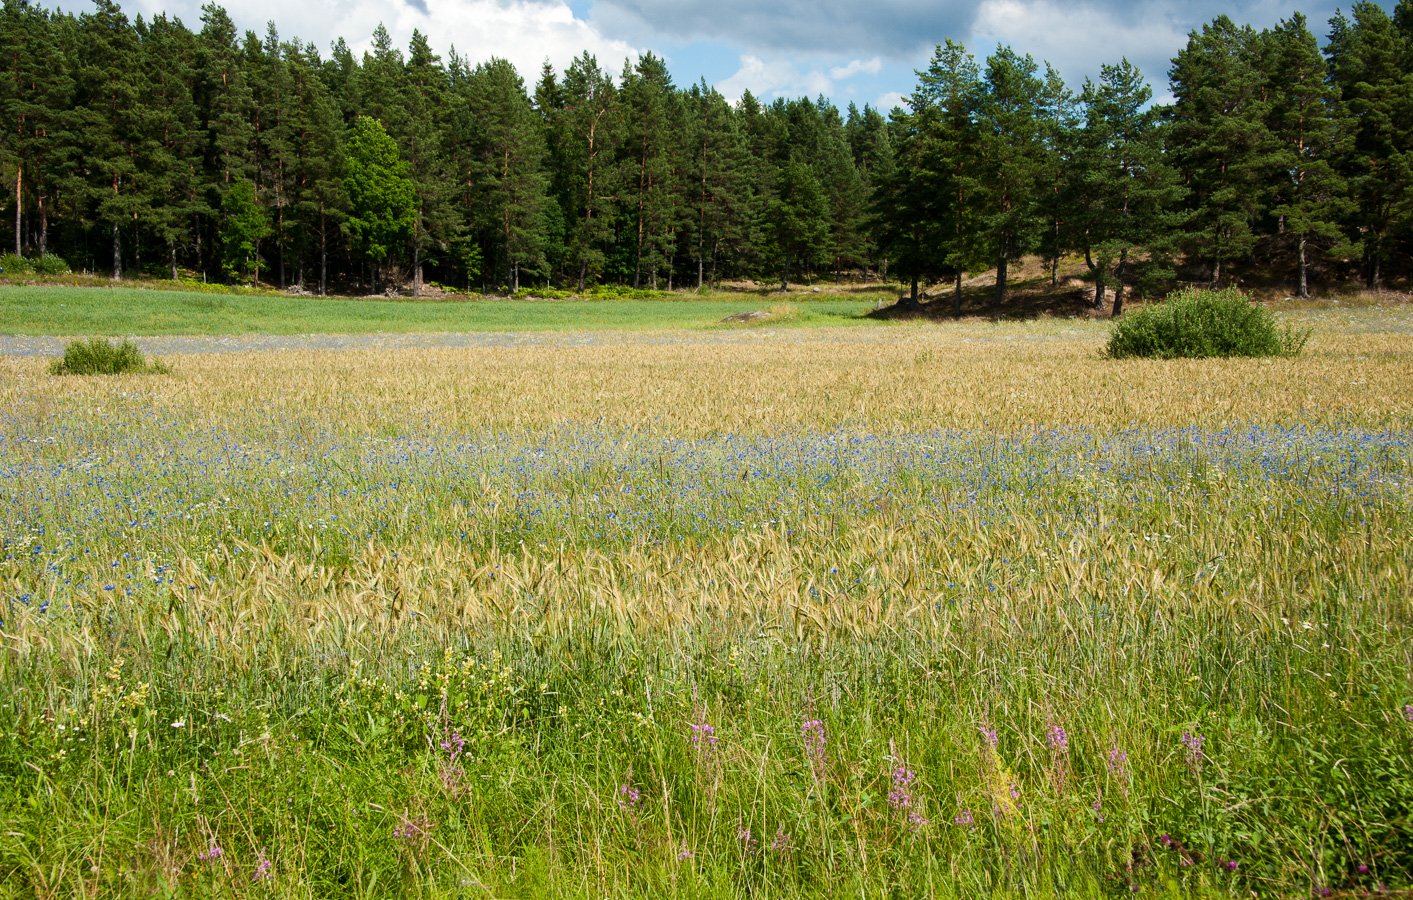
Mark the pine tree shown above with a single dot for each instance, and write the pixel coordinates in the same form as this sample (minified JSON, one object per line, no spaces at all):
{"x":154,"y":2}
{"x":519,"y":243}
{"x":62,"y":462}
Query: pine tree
{"x":1010,"y":136}
{"x":107,"y":119}
{"x":1128,"y":186}
{"x":504,"y":160}
{"x":714,"y":184}
{"x":1311,"y":196}
{"x":172,"y":135}
{"x":1220,"y":140}
{"x":646,"y":96}
{"x":226,"y":108}
{"x":1369,"y":61}
{"x":591,"y":132}
{"x":320,"y":201}
{"x":424,"y":88}
{"x":797,"y":219}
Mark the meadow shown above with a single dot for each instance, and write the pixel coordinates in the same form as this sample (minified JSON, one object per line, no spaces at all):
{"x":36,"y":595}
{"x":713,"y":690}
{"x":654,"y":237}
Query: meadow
{"x":926,"y":610}
{"x":61,"y":310}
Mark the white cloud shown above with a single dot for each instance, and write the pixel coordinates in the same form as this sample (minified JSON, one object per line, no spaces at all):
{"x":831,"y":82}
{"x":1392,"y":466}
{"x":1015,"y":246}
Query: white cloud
{"x":886,"y":102}
{"x":869,"y":67}
{"x":525,"y":32}
{"x":1077,"y":38}
{"x":774,"y":79}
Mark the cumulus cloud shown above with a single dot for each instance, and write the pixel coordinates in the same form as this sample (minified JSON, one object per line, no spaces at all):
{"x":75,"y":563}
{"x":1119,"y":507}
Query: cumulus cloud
{"x":777,"y":78}
{"x":525,"y":32}
{"x":855,"y":67}
{"x":889,"y":101}
{"x":892,"y":28}
{"x":1076,"y":39}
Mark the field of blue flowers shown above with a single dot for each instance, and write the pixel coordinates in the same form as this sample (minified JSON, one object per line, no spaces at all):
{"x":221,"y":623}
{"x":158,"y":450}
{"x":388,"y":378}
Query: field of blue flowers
{"x":254,"y":649}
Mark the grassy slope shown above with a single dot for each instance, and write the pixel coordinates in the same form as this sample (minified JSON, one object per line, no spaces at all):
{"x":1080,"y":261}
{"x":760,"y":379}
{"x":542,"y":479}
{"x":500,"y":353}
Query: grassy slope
{"x":59,"y":310}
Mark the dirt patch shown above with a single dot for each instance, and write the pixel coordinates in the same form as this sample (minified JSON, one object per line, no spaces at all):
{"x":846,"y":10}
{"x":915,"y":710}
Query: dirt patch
{"x":744,"y":318}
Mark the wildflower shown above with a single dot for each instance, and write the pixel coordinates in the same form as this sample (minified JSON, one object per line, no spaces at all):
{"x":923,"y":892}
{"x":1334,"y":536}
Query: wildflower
{"x":1118,"y":763}
{"x":1362,"y":869}
{"x":1058,"y":740}
{"x":1408,"y":713}
{"x":629,"y":799}
{"x":1098,"y":807}
{"x":812,"y":733}
{"x":1193,"y":742}
{"x":746,"y":839}
{"x":262,"y":869}
{"x":212,"y":854}
{"x":988,"y":735}
{"x":454,"y":746}
{"x":782,"y":841}
{"x":685,"y":853}
{"x":965,"y":820}
{"x":1229,"y":865}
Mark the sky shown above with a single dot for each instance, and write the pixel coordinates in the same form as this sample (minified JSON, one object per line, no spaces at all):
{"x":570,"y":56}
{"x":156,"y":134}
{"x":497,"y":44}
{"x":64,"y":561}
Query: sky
{"x":848,"y":51}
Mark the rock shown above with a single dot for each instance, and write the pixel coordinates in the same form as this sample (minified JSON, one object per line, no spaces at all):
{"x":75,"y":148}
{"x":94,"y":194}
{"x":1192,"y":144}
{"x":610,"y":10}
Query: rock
{"x":741,"y":318}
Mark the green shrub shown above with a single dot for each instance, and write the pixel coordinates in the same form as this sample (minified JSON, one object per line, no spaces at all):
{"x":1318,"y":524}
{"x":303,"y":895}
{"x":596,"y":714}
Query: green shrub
{"x":50,"y":265}
{"x":98,"y":357}
{"x":1197,"y":324}
{"x":15,"y":265}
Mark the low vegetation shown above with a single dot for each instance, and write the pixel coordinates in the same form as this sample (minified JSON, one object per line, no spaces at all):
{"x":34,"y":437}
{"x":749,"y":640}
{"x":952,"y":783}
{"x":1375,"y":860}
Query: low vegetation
{"x":1198,"y":324}
{"x":930,"y":611}
{"x":97,"y":356}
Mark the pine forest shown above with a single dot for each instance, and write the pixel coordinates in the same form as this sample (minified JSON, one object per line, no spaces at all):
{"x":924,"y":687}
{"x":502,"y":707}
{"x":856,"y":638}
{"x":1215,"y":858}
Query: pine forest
{"x":143,"y":147}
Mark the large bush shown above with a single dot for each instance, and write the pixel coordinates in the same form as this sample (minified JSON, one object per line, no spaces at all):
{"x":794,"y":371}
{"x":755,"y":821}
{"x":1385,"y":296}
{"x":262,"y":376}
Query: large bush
{"x":1203,"y":323}
{"x":98,"y":357}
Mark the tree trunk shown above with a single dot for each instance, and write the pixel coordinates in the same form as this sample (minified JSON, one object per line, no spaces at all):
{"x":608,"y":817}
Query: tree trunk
{"x":785,"y":274}
{"x":957,"y":298}
{"x":323,"y":251}
{"x":117,"y":254}
{"x":1119,"y":284}
{"x":43,"y":227}
{"x":1000,"y":296}
{"x":514,"y":277}
{"x":17,"y":212}
{"x":1374,"y":260}
{"x":416,"y":267}
{"x":281,"y":233}
{"x":172,"y":255}
{"x":715,"y":250}
{"x":1099,"y":287}
{"x":583,"y":271}
{"x":1304,"y":284}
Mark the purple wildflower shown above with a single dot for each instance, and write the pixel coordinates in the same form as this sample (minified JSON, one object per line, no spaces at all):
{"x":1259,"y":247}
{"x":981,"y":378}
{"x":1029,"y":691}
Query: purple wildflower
{"x":747,"y":840}
{"x":812,"y":733}
{"x":629,"y":799}
{"x":1230,"y":865}
{"x":1098,"y":807}
{"x":212,"y":854}
{"x":703,"y":738}
{"x":782,"y":842}
{"x":1118,"y":763}
{"x":988,"y":735}
{"x":965,"y":820}
{"x":262,"y":868}
{"x":1362,"y":869}
{"x":1408,"y":713}
{"x":454,"y":746}
{"x":1193,"y":742}
{"x":1058,"y":740}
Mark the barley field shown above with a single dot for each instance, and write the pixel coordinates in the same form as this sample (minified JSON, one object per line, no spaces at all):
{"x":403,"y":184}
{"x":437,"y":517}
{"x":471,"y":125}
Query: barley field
{"x":927,"y":610}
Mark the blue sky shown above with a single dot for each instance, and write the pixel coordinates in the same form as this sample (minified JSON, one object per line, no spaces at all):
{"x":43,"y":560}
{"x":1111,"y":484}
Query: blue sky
{"x":843,"y":49}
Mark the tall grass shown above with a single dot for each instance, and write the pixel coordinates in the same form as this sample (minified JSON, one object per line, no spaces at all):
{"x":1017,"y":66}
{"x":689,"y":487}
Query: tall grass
{"x":594,"y":641}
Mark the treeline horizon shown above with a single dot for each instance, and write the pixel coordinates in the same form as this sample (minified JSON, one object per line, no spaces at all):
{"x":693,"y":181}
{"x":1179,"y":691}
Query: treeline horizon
{"x":144,"y":146}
